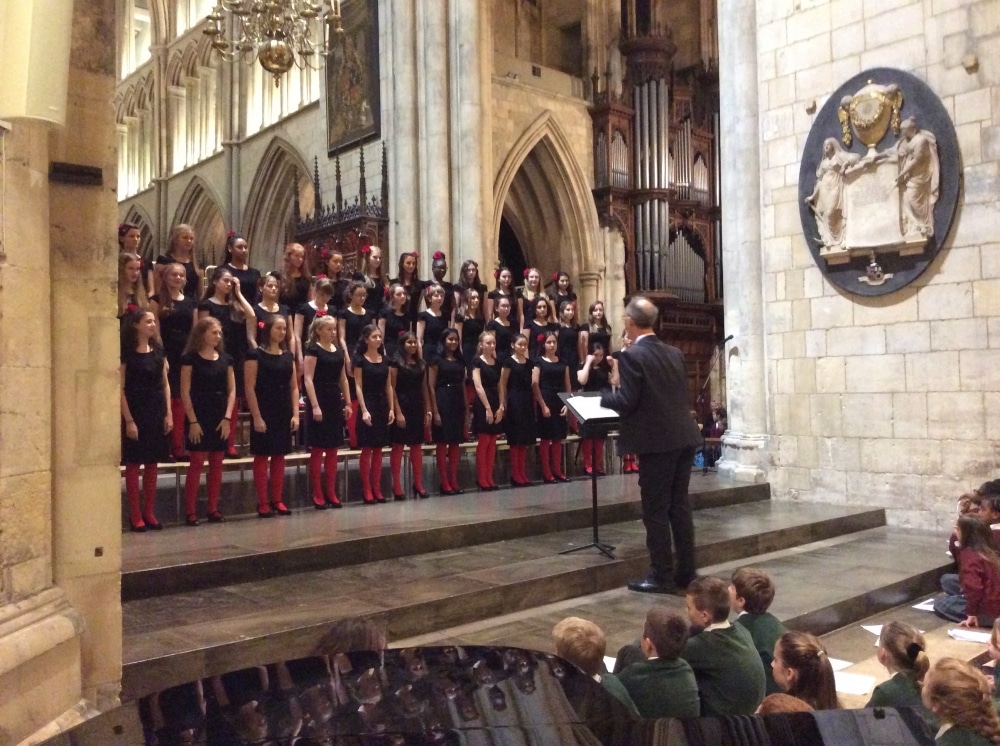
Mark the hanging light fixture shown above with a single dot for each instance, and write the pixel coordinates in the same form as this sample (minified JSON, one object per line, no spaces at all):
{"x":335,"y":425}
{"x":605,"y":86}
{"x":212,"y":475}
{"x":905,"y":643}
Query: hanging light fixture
{"x":278,"y":33}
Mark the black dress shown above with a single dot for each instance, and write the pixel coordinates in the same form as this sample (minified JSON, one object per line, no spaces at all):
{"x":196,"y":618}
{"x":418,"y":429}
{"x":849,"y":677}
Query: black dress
{"x":448,"y":307}
{"x":434,"y":326}
{"x":248,"y":282}
{"x":489,"y":375}
{"x":274,"y":400}
{"x":192,"y":283}
{"x":328,"y":432}
{"x":449,"y":390}
{"x":395,"y":326}
{"x":410,"y":383}
{"x":568,"y":350}
{"x":471,"y":329}
{"x":598,"y":379}
{"x":373,"y":387}
{"x":536,"y":330}
{"x":519,"y":416}
{"x":146,"y":403}
{"x":414,"y":293}
{"x":551,"y":382}
{"x":175,"y":328}
{"x":234,"y":337}
{"x":209,"y":397}
{"x":375,"y":300}
{"x":309,"y":313}
{"x":602,"y":336}
{"x":263,"y":315}
{"x":504,"y":336}
{"x":295,"y":292}
{"x":496,"y":295}
{"x":354,"y":324}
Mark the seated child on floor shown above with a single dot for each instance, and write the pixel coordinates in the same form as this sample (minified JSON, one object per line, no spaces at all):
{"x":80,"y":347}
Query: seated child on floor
{"x":978,"y":575}
{"x":902,"y":650}
{"x":750,"y":595}
{"x":662,"y":685}
{"x":582,"y":643}
{"x":802,"y":668}
{"x":959,"y":696}
{"x":726,"y":664}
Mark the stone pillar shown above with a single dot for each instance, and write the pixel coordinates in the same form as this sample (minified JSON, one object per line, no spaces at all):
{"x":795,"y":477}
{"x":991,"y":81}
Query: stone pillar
{"x":432,"y":129}
{"x":744,"y":444}
{"x":468,"y":125}
{"x":404,"y":164}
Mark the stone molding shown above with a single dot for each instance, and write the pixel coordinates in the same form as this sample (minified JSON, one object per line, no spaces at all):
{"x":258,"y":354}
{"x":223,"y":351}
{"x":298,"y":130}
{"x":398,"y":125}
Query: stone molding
{"x":36,"y":625}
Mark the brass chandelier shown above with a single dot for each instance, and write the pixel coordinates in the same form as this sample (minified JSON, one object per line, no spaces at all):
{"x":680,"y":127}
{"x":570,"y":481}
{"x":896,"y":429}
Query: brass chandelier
{"x":278,"y":33}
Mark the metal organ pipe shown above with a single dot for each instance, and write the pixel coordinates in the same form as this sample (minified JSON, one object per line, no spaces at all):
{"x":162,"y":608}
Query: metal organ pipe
{"x":654,"y":133}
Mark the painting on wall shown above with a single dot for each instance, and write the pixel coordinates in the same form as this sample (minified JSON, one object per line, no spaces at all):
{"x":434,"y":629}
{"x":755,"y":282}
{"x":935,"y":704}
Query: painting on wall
{"x":353,"y":113}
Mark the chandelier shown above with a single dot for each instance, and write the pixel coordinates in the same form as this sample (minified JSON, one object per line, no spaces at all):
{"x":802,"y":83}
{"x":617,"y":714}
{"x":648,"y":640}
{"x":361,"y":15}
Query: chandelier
{"x":278,"y":33}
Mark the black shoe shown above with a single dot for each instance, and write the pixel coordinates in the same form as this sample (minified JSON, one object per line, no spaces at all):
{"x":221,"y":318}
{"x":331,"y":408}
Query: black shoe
{"x":335,"y":503}
{"x":549,"y":480}
{"x":650,"y":585}
{"x":154,"y":525}
{"x":216,"y":517}
{"x":683,"y":581}
{"x":280,"y":509}
{"x":380,"y":500}
{"x":482,"y":488}
{"x":265,"y":513}
{"x":398,"y":498}
{"x":138,"y":529}
{"x":601,"y":473}
{"x":192,"y":519}
{"x":516,"y":484}
{"x":320,"y":506}
{"x":458,"y":491}
{"x":421,"y":494}
{"x":562,"y":478}
{"x":232,"y":454}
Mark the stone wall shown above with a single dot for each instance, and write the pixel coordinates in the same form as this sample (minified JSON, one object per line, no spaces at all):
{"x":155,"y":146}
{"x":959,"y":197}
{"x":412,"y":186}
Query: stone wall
{"x":881,"y":401}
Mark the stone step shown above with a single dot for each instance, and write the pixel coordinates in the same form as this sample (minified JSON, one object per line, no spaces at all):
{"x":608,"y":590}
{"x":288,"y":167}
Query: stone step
{"x":188,"y":559}
{"x":178,"y":637}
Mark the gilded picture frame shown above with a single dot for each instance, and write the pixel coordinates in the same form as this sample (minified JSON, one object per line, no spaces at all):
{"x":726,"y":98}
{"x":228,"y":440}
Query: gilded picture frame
{"x":353,"y":102}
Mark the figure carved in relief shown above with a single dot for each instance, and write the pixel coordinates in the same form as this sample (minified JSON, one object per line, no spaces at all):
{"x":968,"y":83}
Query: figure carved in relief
{"x":918,"y":180}
{"x":827,"y":198}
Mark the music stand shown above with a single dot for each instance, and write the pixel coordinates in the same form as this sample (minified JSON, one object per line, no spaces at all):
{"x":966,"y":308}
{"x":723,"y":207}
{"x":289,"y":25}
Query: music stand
{"x":594,"y":421}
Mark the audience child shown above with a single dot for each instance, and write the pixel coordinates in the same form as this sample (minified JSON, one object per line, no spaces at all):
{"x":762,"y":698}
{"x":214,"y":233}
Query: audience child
{"x":959,"y":696}
{"x":663,"y":685}
{"x":582,"y":643}
{"x":750,"y":595}
{"x":782,"y":703}
{"x":979,"y":577}
{"x":994,"y":650}
{"x":802,"y":668}
{"x":902,"y":650}
{"x":726,"y":664}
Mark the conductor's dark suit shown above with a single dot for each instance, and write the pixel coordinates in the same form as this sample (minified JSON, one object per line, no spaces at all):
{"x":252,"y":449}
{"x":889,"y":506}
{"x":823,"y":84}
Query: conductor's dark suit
{"x":656,"y":425}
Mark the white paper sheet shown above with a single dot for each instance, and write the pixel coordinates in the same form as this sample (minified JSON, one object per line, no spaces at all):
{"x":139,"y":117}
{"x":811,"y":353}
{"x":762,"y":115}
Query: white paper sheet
{"x":590,"y":408}
{"x":854,"y":683}
{"x":875,"y":629}
{"x":609,"y":663}
{"x":969,"y":635}
{"x":839,"y":665}
{"x":927,"y":605}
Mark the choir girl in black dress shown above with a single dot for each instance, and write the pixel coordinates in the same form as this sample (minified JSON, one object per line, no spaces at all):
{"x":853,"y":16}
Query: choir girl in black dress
{"x":409,"y":277}
{"x":224,"y":302}
{"x":549,"y":377}
{"x":237,"y":261}
{"x":329,"y":402}
{"x":431,"y":322}
{"x":175,"y":313}
{"x":470,"y":324}
{"x":304,"y":314}
{"x":560,"y":291}
{"x":371,"y":380}
{"x":146,"y":418}
{"x":394,"y":320}
{"x":412,"y":407}
{"x":353,"y":319}
{"x":569,"y":339}
{"x":296,"y":283}
{"x":488,"y":409}
{"x":372,"y":274}
{"x":273,"y":395}
{"x":131,"y":291}
{"x":129,"y":240}
{"x":449,"y":408}
{"x":439,"y":268}
{"x":208,"y":390}
{"x":180,"y":249}
{"x":468,"y":279}
{"x":540,"y":324}
{"x":597,"y":327}
{"x":526,"y":296}
{"x":503,"y":328}
{"x":270,"y":305}
{"x":595,"y":375}
{"x":504,"y":289}
{"x":519,"y":409}
{"x":333,"y":267}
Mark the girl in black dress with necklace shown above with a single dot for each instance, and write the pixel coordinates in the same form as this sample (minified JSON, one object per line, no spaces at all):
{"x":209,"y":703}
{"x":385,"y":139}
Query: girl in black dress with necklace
{"x":273,"y":395}
{"x":468,"y":279}
{"x":595,"y":375}
{"x":371,"y":380}
{"x":236,"y":260}
{"x":372,"y":274}
{"x":296,"y":284}
{"x":412,"y":406}
{"x":409,"y":278}
{"x":598,"y":329}
{"x":431,"y":322}
{"x":519,"y":409}
{"x":568,"y":335}
{"x":526,"y":296}
{"x":449,"y":408}
{"x":333,"y":267}
{"x":504,"y":289}
{"x":175,"y":313}
{"x":541,"y":323}
{"x":146,"y":418}
{"x":180,"y":250}
{"x":550,"y":377}
{"x":395,"y":319}
{"x":488,"y":410}
{"x":131,"y":292}
{"x":325,"y":377}
{"x":560,"y":291}
{"x":353,"y":319}
{"x":270,"y":305}
{"x":208,"y":390}
{"x":503,"y":328}
{"x":225,"y":303}
{"x":470,"y":324}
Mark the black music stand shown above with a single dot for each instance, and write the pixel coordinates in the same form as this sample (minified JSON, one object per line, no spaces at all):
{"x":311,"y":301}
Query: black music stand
{"x":594,"y":422}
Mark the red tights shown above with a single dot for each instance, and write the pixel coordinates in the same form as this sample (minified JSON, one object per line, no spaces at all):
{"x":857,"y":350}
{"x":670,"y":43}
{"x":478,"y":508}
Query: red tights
{"x":593,"y":455}
{"x":550,"y":454}
{"x":371,"y":474}
{"x":396,"y":466}
{"x":177,"y":434}
{"x":262,"y":483}
{"x":486,"y":456}
{"x":352,"y":425}
{"x":323,"y":461}
{"x":447,"y":461}
{"x":141,"y":516}
{"x":193,"y":480}
{"x":519,"y":465}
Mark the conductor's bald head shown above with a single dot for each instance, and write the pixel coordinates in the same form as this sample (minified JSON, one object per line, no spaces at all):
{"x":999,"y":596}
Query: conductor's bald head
{"x":640,"y":316}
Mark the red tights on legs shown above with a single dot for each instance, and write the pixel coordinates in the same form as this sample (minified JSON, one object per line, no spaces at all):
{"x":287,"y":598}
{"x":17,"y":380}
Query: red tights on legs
{"x":396,"y":467}
{"x":417,"y":465}
{"x":555,"y":458}
{"x":544,"y":456}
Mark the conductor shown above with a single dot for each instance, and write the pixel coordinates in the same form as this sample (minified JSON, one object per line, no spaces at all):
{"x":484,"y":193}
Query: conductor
{"x":656,"y":425}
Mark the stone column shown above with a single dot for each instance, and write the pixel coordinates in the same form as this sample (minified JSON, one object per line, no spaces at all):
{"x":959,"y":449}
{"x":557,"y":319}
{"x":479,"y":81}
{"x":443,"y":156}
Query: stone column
{"x":744,"y":444}
{"x":432,"y":130}
{"x":404,"y":163}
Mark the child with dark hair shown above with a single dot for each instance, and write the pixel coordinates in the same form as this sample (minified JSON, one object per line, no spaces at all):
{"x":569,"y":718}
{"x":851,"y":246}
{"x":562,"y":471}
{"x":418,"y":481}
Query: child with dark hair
{"x":663,"y":685}
{"x":979,"y":577}
{"x":803,"y":669}
{"x":582,"y":643}
{"x":750,"y":595}
{"x":411,"y":403}
{"x":449,"y":408}
{"x":726,"y":664}
{"x":375,"y":414}
{"x":236,"y":260}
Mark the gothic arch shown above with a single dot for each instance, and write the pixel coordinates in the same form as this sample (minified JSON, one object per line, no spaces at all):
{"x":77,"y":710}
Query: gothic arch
{"x":269,"y":217}
{"x":199,"y":208}
{"x":545,"y":196}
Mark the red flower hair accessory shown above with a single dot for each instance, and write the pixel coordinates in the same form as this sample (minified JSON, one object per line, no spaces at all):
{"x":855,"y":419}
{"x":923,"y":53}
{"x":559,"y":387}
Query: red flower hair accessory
{"x":526,"y":272}
{"x":540,"y":338}
{"x":260,"y":324}
{"x":320,"y":312}
{"x":415,"y":255}
{"x":366,"y":249}
{"x":401,"y":332}
{"x":320,"y":277}
{"x":496,"y":274}
{"x":385,"y":293}
{"x":131,"y":307}
{"x":230,"y":235}
{"x":325,"y":255}
{"x":439,"y":255}
{"x":555,"y":277}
